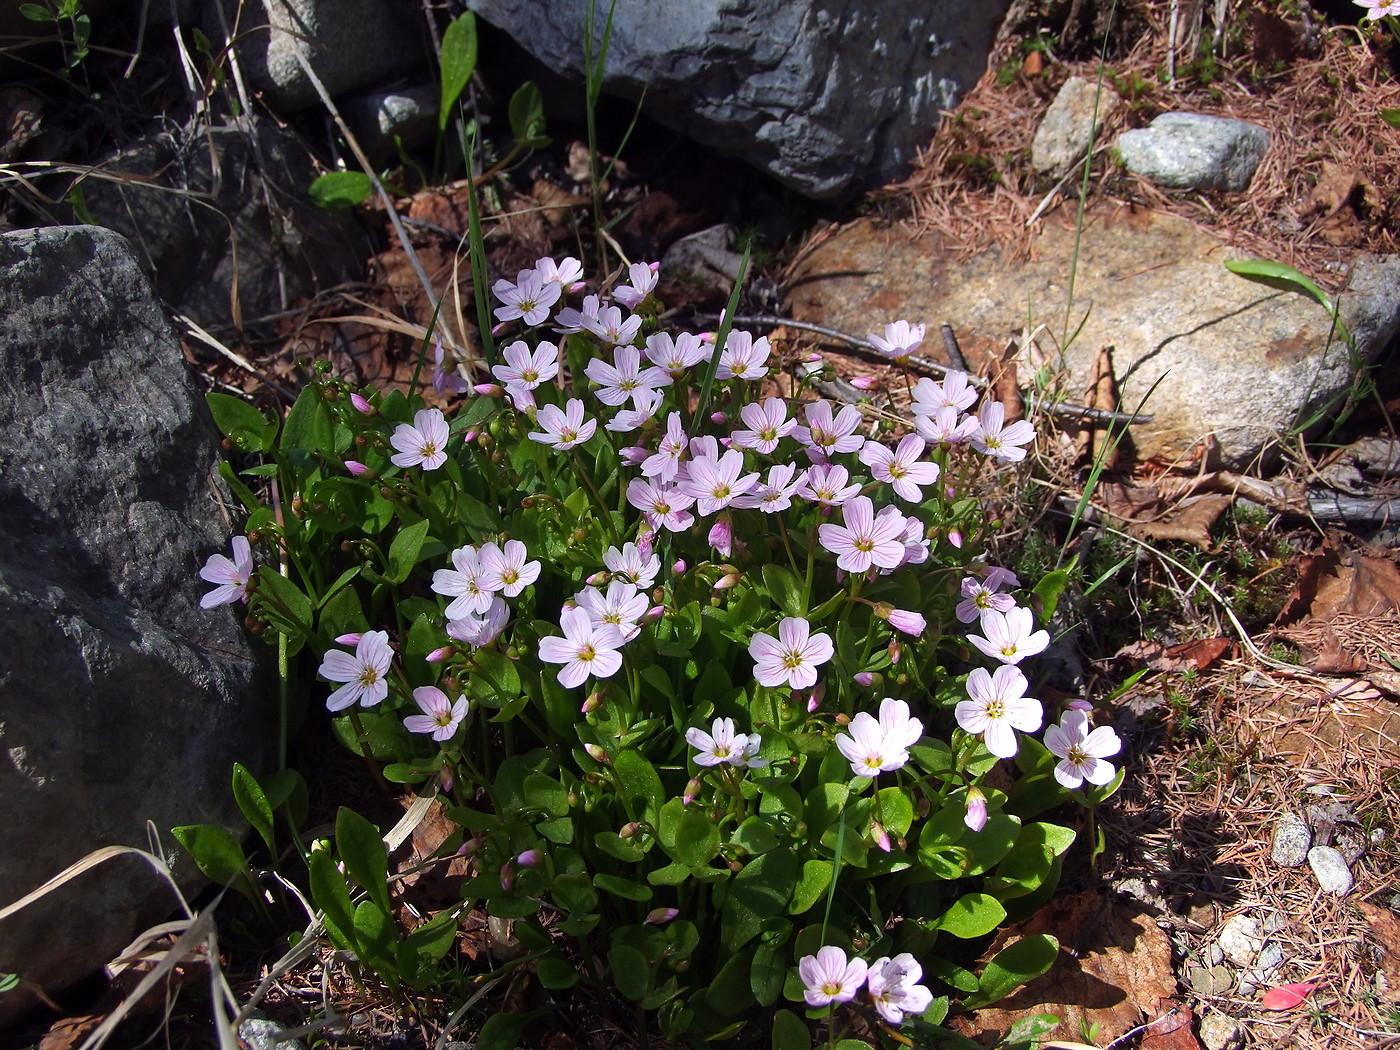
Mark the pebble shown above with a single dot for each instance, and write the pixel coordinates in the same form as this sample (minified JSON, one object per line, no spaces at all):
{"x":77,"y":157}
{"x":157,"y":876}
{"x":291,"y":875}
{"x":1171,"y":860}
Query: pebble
{"x":1218,"y":1032}
{"x":1292,"y":838}
{"x":259,"y":1032}
{"x":1210,"y":980}
{"x":1213,"y":955}
{"x":1330,"y":869}
{"x":1240,"y":939}
{"x":1351,"y":843}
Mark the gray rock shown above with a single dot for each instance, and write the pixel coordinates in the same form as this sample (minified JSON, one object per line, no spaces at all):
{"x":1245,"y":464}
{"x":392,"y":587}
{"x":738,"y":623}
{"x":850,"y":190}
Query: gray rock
{"x":1212,"y":954}
{"x":705,"y":261}
{"x":1241,"y":939}
{"x":1267,"y":964}
{"x":1210,"y":980}
{"x":262,"y":1033}
{"x":824,"y":96}
{"x":1292,"y":837}
{"x":408,"y":114}
{"x":349,"y":44}
{"x":256,"y":233}
{"x":122,"y":702}
{"x":1351,"y":842}
{"x":1219,"y":355}
{"x":1188,"y":151}
{"x":1218,"y":1032}
{"x":1330,"y":869}
{"x":1068,"y":128}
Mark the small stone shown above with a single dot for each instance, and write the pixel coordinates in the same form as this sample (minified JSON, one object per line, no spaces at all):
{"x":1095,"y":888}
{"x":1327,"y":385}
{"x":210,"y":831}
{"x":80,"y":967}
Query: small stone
{"x":260,"y":1032}
{"x":1275,"y":921}
{"x":408,"y":114}
{"x":1210,"y":980}
{"x":1213,"y":954}
{"x":1330,"y":869}
{"x":704,"y":262}
{"x":1218,"y":1032}
{"x":1350,"y":841}
{"x":1067,"y":130}
{"x":1270,"y":959}
{"x":1192,"y":151}
{"x":1292,"y":839}
{"x":1241,"y":939}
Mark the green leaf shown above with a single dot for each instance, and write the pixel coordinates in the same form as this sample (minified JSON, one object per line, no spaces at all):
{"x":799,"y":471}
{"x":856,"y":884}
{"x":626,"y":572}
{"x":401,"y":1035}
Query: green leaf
{"x":1030,"y":861}
{"x":815,"y":878}
{"x":1012,"y":967}
{"x":1391,"y":117}
{"x":1281,"y":276}
{"x":37,"y":13}
{"x":1049,"y":590}
{"x":8,"y":982}
{"x":364,"y":856}
{"x":527,"y":115}
{"x":329,"y":892}
{"x":501,"y":1031}
{"x":697,"y":839}
{"x":555,"y":973}
{"x":731,"y":991}
{"x":288,"y":610}
{"x":755,"y":836}
{"x":620,"y":887}
{"x":784,"y":588}
{"x":241,"y":423}
{"x":404,"y":551}
{"x":1030,"y":1031}
{"x":766,"y":977}
{"x":760,"y":891}
{"x":241,"y":492}
{"x":310,"y":427}
{"x":376,"y":940}
{"x":216,"y":852}
{"x":639,"y":779}
{"x":630,"y":972}
{"x":253,"y":803}
{"x":459,"y":45}
{"x":789,"y":1033}
{"x":971,"y":915}
{"x":338,"y":190}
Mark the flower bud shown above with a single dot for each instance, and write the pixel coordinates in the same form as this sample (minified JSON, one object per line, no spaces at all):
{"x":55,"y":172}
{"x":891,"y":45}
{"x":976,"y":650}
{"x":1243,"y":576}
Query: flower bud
{"x":437,"y":656}
{"x":718,"y":417}
{"x":629,"y":830}
{"x":507,"y":875}
{"x":815,"y":700}
{"x":659,"y":916}
{"x":976,"y":816}
{"x":632,"y":455}
{"x":598,"y":579}
{"x":721,"y":536}
{"x":489,"y":389}
{"x":728,"y":580}
{"x":865,"y":383}
{"x":691,"y":790}
{"x":471,"y":435}
{"x":911,"y":623}
{"x":1079,"y":705}
{"x":842,"y":719}
{"x":678,"y":566}
{"x":591,"y":703}
{"x":362,"y":406}
{"x":895,"y":650}
{"x":813,"y":358}
{"x":356,"y":468}
{"x":955,"y":538}
{"x":498,"y":329}
{"x":353,"y":638}
{"x":880,"y":835}
{"x":865,"y":679}
{"x":596,"y":753}
{"x":651,"y":616}
{"x":529,"y":859}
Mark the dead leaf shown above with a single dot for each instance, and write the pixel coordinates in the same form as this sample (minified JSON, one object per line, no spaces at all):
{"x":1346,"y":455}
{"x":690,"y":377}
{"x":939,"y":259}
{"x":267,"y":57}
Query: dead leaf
{"x":1286,"y":996}
{"x":1189,"y":656}
{"x":1332,"y":582}
{"x":1098,"y":444}
{"x":1333,"y":190}
{"x":1173,"y":1029}
{"x":1385,"y":931}
{"x":1033,"y":65}
{"x":556,"y":201}
{"x":1189,"y":523}
{"x":1114,"y":969}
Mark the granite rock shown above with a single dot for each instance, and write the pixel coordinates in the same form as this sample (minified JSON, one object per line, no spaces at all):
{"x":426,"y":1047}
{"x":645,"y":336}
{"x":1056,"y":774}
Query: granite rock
{"x":1189,"y":151}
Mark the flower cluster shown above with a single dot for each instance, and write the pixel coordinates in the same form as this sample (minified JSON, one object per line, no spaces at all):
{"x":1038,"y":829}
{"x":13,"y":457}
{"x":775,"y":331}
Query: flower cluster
{"x":892,"y":984}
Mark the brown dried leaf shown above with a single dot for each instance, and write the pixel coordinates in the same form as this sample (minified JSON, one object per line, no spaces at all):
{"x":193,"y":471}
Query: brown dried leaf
{"x":556,"y":201}
{"x":1385,"y":931}
{"x":1173,"y":1029}
{"x":1189,"y":523}
{"x":1114,"y":969}
{"x":1332,"y":582}
{"x":1189,"y":656}
{"x":1101,"y":393}
{"x":1333,"y":190}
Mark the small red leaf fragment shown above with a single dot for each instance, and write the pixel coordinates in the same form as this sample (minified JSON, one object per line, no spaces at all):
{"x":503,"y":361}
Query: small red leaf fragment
{"x":1286,"y":996}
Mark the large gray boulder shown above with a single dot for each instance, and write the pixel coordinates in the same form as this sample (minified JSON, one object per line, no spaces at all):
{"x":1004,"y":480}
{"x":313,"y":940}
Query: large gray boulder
{"x":1206,"y":353}
{"x":825,"y":95}
{"x":121,"y":701}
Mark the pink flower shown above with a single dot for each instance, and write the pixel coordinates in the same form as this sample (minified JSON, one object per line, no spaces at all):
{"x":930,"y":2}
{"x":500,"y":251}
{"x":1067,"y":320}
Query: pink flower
{"x":570,"y":320}
{"x":775,"y":494}
{"x":944,"y":428}
{"x":1378,"y":9}
{"x":716,"y":482}
{"x":586,"y":649}
{"x":828,"y":484}
{"x":529,"y":298}
{"x":631,"y":565}
{"x":643,"y":278}
{"x":625,"y":378}
{"x":1009,"y":637}
{"x":767,"y":424}
{"x":665,"y":506}
{"x":893,"y":987}
{"x":722,"y":746}
{"x":905,"y":621}
{"x":676,"y":354}
{"x":621,"y":605}
{"x":443,"y":380}
{"x":506,"y":570}
{"x":609,"y":326}
{"x":980,"y":595}
{"x":864,"y":539}
{"x":901,"y":468}
{"x":976,"y":816}
{"x":364,"y":673}
{"x":829,"y":977}
{"x":663,"y":464}
{"x":901,"y":339}
{"x":440,"y":716}
{"x":468,"y":583}
{"x":525,"y":369}
{"x":1082,"y":751}
{"x":874,"y":746}
{"x":743,"y":357}
{"x":476,"y":630}
{"x":562,"y":429}
{"x":424,"y":442}
{"x":567,"y":272}
{"x":998,"y":705}
{"x":825,"y":435}
{"x":792,"y":658}
{"x":954,"y":392}
{"x":1000,"y":441}
{"x":234,"y":578}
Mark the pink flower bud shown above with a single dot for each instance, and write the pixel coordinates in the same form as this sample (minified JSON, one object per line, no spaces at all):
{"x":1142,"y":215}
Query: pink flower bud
{"x":651,"y":616}
{"x":353,"y":638}
{"x":628,"y":830}
{"x":864,"y":679}
{"x":815,"y":700}
{"x":633,"y":455}
{"x":691,"y":790}
{"x":596,"y":753}
{"x":658,"y":916}
{"x":529,"y":859}
{"x":598,"y":578}
{"x":721,"y":536}
{"x":880,"y":835}
{"x":646,"y":541}
{"x":489,"y":389}
{"x":1080,"y":705}
{"x":814,"y":358}
{"x":356,"y":468}
{"x":911,"y":623}
{"x":895,"y":650}
{"x":976,"y":817}
{"x":955,"y":538}
{"x":362,"y":406}
{"x":592,"y":703}
{"x":498,"y":329}
{"x":437,"y":656}
{"x":865,"y":383}
{"x":728,"y":580}
{"x":507,"y":875}
{"x":678,"y":566}
{"x":471,"y":435}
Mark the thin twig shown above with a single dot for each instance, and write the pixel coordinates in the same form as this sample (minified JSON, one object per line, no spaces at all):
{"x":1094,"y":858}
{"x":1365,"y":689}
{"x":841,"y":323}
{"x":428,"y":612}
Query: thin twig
{"x":237,"y":358}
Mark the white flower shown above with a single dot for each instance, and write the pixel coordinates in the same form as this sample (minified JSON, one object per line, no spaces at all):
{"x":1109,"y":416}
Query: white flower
{"x":563,"y":428}
{"x":529,"y":298}
{"x":506,"y":570}
{"x":440,"y":716}
{"x":234,"y":578}
{"x":525,"y":369}
{"x":767,"y":424}
{"x":585,"y":649}
{"x":793,"y":657}
{"x":676,"y":354}
{"x":468,"y":583}
{"x":1082,"y":751}
{"x":722,"y":746}
{"x":477,"y":630}
{"x":901,"y":467}
{"x":643,"y":278}
{"x":743,"y":357}
{"x":625,"y":379}
{"x":954,"y":392}
{"x":900,"y":340}
{"x":1009,"y":637}
{"x":874,"y":746}
{"x":422,"y":442}
{"x":865,"y":539}
{"x":829,"y":978}
{"x":1000,"y":441}
{"x":893,"y":987}
{"x":632,"y":565}
{"x":621,"y":605}
{"x":364,"y":673}
{"x":998,"y":705}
